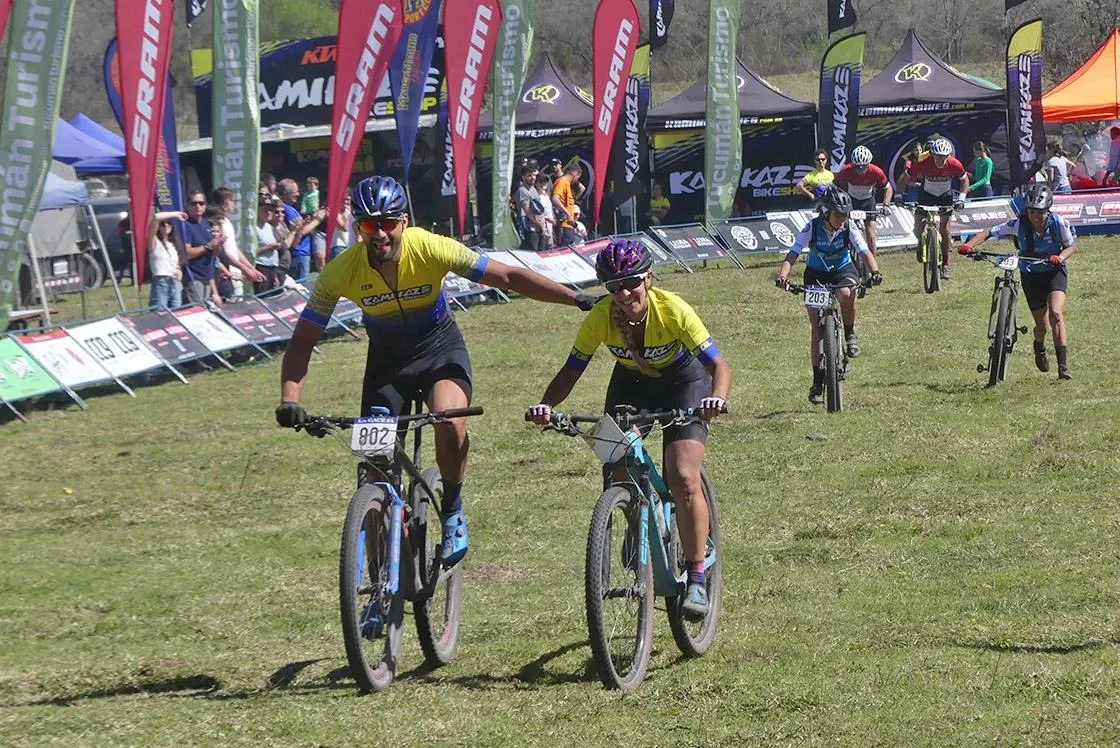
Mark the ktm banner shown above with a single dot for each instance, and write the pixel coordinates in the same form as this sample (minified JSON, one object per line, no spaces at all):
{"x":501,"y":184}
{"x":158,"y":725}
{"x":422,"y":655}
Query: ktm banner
{"x":660,"y":16}
{"x":144,"y":40}
{"x":408,"y":71}
{"x":841,"y":69}
{"x":367,"y":35}
{"x":615,"y":38}
{"x":630,"y":153}
{"x":511,"y":61}
{"x":841,"y":15}
{"x":470,"y":29}
{"x":723,"y":155}
{"x":1025,"y":136}
{"x":36,"y":54}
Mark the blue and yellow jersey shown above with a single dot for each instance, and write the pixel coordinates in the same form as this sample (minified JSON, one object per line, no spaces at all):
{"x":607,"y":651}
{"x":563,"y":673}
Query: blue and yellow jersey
{"x":673,"y":334}
{"x":417,"y":307}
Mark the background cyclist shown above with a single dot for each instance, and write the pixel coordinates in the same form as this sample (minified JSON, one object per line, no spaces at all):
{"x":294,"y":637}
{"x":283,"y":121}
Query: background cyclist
{"x":829,"y":238}
{"x":1040,"y":234}
{"x":868,"y":185}
{"x":665,"y":358}
{"x":939,"y":178}
{"x":395,"y":274}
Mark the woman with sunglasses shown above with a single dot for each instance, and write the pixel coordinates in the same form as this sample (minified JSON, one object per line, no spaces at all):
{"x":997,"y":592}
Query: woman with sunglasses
{"x":813,"y":184}
{"x":665,"y":358}
{"x":395,"y":274}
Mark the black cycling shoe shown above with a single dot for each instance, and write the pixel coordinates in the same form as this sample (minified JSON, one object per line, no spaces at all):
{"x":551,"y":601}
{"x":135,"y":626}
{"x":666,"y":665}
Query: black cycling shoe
{"x":816,"y":394}
{"x":1041,"y":360}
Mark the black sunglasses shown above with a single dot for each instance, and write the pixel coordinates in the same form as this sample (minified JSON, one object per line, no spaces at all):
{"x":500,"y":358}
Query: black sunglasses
{"x":198,"y":202}
{"x":628,"y":283}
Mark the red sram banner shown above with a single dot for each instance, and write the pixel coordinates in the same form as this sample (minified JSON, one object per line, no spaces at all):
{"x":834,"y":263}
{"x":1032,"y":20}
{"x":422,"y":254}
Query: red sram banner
{"x":144,"y":43}
{"x":616,"y":31}
{"x":5,"y":8}
{"x":470,"y":33}
{"x":367,"y":35}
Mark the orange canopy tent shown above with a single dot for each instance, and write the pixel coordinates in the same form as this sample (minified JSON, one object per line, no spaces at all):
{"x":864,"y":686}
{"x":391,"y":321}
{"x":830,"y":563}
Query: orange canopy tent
{"x":1092,"y":92}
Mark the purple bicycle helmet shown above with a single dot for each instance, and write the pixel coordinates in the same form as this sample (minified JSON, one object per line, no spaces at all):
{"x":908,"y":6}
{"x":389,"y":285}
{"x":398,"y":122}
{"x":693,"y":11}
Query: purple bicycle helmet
{"x":622,"y":258}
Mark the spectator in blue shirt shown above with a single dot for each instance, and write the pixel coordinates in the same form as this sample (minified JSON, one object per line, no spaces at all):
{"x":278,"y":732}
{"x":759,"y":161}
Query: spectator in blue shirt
{"x":202,"y":250}
{"x":301,"y":250}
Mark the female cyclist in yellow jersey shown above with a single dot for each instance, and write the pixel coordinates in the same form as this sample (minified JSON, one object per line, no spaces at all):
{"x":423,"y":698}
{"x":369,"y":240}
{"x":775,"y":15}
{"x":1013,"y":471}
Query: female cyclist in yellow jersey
{"x":665,"y":358}
{"x":813,"y":184}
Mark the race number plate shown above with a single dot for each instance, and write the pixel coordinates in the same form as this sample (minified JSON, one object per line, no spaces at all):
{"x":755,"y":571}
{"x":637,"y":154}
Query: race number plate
{"x":858,"y":215}
{"x":817,"y":297}
{"x":608,"y":441}
{"x":374,"y":436}
{"x":1010,"y":262}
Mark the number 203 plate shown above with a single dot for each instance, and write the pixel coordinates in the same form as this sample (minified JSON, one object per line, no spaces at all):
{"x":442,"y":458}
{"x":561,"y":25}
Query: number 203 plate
{"x":374,"y":436}
{"x":818,"y":298}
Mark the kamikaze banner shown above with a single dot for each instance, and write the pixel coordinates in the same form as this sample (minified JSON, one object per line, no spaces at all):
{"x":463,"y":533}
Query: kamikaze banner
{"x":367,"y":35}
{"x":194,"y":10}
{"x":36,"y":55}
{"x":511,"y":61}
{"x":443,"y":130}
{"x":660,"y":16}
{"x":841,"y":69}
{"x":630,"y":154}
{"x":470,"y":29}
{"x":723,"y":142}
{"x":1025,"y":136}
{"x":1009,"y":4}
{"x":841,"y":15}
{"x":144,"y":39}
{"x":169,"y":187}
{"x":236,"y":150}
{"x":408,"y":71}
{"x":614,"y":40}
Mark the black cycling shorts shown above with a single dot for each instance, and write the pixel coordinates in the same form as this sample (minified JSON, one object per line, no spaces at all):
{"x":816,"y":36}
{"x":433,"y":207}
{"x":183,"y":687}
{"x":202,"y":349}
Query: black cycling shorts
{"x":943,"y":200}
{"x":394,"y":384}
{"x":1038,"y":285}
{"x":847,"y":275}
{"x":868,"y":206}
{"x":684,"y":387}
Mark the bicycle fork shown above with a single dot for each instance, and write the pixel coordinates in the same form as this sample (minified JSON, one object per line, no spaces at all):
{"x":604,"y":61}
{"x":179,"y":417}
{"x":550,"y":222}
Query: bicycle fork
{"x":373,"y":617}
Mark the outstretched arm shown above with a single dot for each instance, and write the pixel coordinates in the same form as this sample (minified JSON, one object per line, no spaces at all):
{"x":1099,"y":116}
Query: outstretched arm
{"x":527,"y":283}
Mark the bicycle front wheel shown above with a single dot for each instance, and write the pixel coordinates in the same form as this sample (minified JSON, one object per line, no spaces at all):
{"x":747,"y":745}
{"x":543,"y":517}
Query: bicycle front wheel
{"x":371,"y":617}
{"x":619,"y":591}
{"x":437,"y":616}
{"x":832,"y":364}
{"x":931,"y":270}
{"x":998,"y":363}
{"x":694,"y":637}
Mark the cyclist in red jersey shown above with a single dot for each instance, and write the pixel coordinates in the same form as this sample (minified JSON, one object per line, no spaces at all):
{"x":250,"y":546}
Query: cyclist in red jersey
{"x":936,"y":177}
{"x":867,"y":184}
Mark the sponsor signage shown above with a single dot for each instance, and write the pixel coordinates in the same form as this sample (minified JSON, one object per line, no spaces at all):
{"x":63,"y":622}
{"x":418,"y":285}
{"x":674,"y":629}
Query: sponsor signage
{"x":166,"y":335}
{"x":210,"y":329}
{"x":689,"y":243}
{"x":255,"y":321}
{"x":21,"y":376}
{"x":120,"y":350}
{"x":64,"y":358}
{"x":287,"y":304}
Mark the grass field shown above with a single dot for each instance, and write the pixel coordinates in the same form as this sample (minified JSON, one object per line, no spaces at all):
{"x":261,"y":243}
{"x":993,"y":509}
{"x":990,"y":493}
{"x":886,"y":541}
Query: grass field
{"x":941,"y":569}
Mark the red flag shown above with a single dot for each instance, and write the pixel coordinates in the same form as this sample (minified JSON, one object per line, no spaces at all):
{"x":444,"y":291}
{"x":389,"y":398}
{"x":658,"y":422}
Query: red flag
{"x":367,"y":35}
{"x":144,"y":41}
{"x":615,"y":37}
{"x":5,"y":7}
{"x":470,"y":30}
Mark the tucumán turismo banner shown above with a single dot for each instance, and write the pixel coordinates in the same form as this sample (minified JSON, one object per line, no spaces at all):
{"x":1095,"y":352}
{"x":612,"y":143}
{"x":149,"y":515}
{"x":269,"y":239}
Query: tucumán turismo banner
{"x":408,"y":71}
{"x":36,"y":58}
{"x":471,"y":29}
{"x":614,"y":38}
{"x":511,"y":61}
{"x":144,"y":47}
{"x":236,"y":153}
{"x":841,"y":67}
{"x":723,"y":145}
{"x":1025,"y":136}
{"x":367,"y":35}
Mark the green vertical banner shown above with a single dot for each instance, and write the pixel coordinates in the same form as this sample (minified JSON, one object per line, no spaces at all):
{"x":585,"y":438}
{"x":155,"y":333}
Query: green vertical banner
{"x":511,"y":61}
{"x":36,"y":54}
{"x":236,"y":115}
{"x":723,"y":142}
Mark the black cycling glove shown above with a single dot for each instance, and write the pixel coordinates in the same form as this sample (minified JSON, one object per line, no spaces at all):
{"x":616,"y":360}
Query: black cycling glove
{"x":290,"y":415}
{"x":585,"y":301}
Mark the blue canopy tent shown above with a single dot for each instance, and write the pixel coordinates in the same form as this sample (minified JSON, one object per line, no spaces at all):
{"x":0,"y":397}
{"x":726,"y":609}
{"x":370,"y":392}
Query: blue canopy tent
{"x":86,"y":154}
{"x":62,"y":193}
{"x":98,"y":131}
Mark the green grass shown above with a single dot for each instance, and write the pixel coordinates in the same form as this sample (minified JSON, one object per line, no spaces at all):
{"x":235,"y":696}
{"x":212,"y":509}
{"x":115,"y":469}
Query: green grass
{"x":941,"y":570}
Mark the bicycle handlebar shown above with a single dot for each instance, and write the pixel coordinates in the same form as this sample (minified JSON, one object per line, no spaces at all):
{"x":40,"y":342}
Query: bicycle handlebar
{"x":801,"y":288}
{"x":994,"y":257}
{"x":625,"y":416}
{"x":416,"y":419}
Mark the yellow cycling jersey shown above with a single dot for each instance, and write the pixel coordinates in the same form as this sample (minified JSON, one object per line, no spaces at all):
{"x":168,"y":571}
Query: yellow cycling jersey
{"x":673,"y":334}
{"x":416,"y":307}
{"x":819,"y":178}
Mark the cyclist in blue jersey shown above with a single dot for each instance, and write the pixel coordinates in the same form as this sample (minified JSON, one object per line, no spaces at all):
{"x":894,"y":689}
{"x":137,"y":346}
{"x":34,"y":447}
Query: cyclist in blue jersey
{"x":395,"y":274}
{"x":829,"y":239}
{"x":1040,"y":235}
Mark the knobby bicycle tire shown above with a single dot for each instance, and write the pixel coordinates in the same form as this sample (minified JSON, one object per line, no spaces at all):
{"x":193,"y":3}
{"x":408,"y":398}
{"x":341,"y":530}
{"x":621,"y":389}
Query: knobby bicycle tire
{"x":362,"y":573}
{"x":694,"y":638}
{"x":832,"y":364}
{"x":1000,"y":348}
{"x":931,"y":272}
{"x":620,"y":649}
{"x":437,"y":616}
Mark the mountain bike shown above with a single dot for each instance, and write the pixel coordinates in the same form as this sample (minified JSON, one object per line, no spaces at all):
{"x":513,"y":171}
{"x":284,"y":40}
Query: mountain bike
{"x":634,"y":551}
{"x":929,"y":243}
{"x":385,"y":525}
{"x":830,"y":333}
{"x":1003,"y":329}
{"x":859,"y":221}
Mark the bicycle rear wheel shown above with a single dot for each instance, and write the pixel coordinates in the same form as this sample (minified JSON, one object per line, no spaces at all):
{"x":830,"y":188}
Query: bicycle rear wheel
{"x":437,"y":616}
{"x":931,"y":269}
{"x":832,"y":364}
{"x":619,"y":592}
{"x":694,"y":637}
{"x":998,"y":358}
{"x":372,"y":619}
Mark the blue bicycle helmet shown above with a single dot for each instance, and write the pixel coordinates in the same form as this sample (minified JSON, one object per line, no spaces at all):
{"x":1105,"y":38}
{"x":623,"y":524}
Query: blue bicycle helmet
{"x":378,"y":197}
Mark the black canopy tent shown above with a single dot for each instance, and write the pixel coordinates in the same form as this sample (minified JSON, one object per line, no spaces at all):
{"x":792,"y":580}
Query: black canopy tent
{"x":778,"y":140}
{"x":918,"y":94}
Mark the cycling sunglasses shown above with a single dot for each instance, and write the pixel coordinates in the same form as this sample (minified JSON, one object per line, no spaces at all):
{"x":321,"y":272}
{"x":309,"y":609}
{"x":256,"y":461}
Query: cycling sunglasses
{"x":371,"y":225}
{"x":629,"y":283}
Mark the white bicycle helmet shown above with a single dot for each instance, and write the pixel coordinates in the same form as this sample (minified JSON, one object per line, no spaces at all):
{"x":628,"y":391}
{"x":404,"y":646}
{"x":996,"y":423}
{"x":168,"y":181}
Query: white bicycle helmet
{"x":941,"y":147}
{"x":861,"y":156}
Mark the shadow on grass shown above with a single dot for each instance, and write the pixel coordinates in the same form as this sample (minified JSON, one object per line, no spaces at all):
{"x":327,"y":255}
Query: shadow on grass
{"x":1029,"y":648}
{"x":944,"y":389}
{"x":534,"y":673}
{"x":190,"y":685}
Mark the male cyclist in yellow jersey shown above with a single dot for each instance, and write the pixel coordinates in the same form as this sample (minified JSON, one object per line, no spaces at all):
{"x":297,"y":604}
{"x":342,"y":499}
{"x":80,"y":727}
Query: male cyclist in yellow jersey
{"x":395,"y":274}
